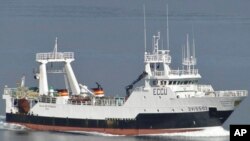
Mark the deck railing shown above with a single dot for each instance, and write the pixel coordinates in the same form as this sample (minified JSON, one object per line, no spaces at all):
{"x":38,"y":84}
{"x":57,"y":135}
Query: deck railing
{"x":10,"y":91}
{"x":176,"y":72}
{"x":54,"y":55}
{"x":157,"y":58}
{"x":184,"y":72}
{"x":205,"y":88}
{"x":158,"y":73}
{"x":231,"y":93}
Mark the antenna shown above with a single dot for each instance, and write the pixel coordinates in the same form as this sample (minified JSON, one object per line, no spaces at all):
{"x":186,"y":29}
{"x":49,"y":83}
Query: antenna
{"x":183,"y":56}
{"x":167,"y":29}
{"x":184,"y":52}
{"x":23,"y":81}
{"x":193,"y":42}
{"x":188,"y":56}
{"x":188,"y":51}
{"x":55,"y":49}
{"x":162,"y":44}
{"x":193,"y":59}
{"x":156,"y":39}
{"x":145,"y":31}
{"x":193,"y":48}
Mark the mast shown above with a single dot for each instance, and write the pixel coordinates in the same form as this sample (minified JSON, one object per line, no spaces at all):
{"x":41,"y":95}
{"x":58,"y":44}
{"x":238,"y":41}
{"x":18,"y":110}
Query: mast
{"x":188,"y":57}
{"x":156,"y":39}
{"x":22,"y":81}
{"x":56,"y":57}
{"x":188,"y":51}
{"x":145,"y":29}
{"x":167,"y":29}
{"x":55,"y":48}
{"x":188,"y":54}
{"x":194,"y":58}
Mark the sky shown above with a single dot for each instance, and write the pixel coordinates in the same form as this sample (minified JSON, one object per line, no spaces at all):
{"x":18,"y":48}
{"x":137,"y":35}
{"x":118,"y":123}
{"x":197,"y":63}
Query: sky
{"x":107,"y":38}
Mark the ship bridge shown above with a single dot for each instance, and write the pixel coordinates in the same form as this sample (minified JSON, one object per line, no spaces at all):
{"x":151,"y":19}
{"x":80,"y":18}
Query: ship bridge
{"x":157,"y":64}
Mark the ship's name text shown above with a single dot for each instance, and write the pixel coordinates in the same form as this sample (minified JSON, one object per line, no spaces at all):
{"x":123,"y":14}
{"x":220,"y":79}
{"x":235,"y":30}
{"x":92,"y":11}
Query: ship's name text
{"x":197,"y":108}
{"x":160,"y":91}
{"x":47,"y":107}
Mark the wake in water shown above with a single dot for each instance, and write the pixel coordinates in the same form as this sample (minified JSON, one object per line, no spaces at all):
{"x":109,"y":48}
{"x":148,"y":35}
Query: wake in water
{"x":217,"y":131}
{"x":92,"y":133}
{"x":10,"y":126}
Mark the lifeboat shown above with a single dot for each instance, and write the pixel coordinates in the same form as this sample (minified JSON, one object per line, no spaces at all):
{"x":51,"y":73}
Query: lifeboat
{"x":99,"y":92}
{"x":63,"y":92}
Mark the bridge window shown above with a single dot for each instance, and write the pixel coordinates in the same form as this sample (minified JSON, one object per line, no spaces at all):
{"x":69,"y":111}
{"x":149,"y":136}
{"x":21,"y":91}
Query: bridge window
{"x":179,"y":82}
{"x":162,"y":83}
{"x":170,"y":82}
{"x":165,"y":82}
{"x":155,"y":82}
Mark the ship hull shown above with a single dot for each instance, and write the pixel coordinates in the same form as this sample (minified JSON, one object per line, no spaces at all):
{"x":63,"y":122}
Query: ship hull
{"x":143,"y":124}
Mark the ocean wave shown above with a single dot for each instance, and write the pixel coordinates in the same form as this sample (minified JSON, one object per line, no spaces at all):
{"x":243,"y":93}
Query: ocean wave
{"x":2,"y":118}
{"x":92,"y":133}
{"x":217,"y":131}
{"x":10,"y":126}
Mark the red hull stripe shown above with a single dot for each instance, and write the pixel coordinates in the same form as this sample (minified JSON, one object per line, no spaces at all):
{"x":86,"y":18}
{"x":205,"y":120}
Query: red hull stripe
{"x":107,"y":130}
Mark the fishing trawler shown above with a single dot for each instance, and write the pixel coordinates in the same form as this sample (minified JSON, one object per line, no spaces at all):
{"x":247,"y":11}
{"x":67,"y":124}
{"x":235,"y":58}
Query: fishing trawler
{"x":170,"y":100}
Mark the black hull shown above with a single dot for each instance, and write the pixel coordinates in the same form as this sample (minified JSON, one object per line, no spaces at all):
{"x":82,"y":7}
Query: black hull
{"x":142,"y":121}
